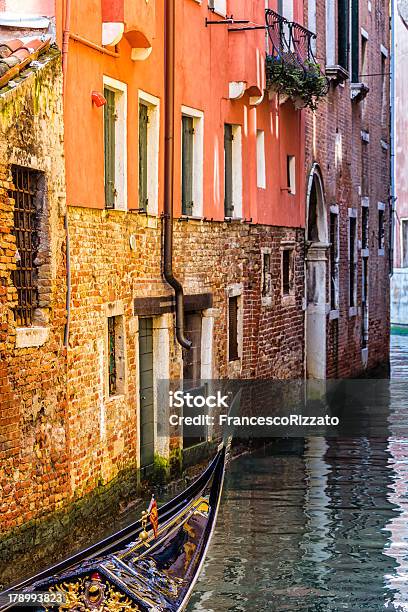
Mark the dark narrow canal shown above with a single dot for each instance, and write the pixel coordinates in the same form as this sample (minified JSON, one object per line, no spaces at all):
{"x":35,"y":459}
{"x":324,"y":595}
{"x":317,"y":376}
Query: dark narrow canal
{"x":316,"y":526}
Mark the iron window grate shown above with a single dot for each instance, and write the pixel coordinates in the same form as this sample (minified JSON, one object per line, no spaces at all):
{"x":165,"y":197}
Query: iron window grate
{"x":24,"y":194}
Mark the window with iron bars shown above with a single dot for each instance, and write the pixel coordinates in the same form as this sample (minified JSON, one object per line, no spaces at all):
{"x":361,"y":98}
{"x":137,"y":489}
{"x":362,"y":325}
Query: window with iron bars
{"x":24,"y":276}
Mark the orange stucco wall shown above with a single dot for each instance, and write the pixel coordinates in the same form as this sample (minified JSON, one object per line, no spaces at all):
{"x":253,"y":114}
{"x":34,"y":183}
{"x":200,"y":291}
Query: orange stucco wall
{"x":207,"y":59}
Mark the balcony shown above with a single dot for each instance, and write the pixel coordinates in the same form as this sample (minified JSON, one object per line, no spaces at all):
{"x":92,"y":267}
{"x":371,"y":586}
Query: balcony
{"x":291,"y":68}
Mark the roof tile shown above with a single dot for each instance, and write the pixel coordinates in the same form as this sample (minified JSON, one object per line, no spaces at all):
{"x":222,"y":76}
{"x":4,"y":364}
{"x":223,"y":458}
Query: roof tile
{"x":16,"y":54}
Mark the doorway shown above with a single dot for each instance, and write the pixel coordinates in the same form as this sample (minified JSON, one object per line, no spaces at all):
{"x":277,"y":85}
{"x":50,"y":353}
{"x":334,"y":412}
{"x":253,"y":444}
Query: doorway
{"x":146,"y":394}
{"x":316,"y":277}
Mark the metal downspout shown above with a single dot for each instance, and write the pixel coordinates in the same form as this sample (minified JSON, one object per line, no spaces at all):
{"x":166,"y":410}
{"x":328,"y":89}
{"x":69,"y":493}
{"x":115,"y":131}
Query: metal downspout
{"x":169,"y":34}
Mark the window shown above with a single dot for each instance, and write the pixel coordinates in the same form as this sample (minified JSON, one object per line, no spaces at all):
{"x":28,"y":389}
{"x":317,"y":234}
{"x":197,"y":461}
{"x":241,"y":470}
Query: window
{"x":143,"y":121}
{"x":187,"y":166}
{"x":218,"y":6}
{"x":233,"y":353}
{"x":365,"y":169}
{"x":116,"y":363}
{"x":364,"y":303}
{"x":192,"y":160}
{"x":115,"y":144}
{"x":404,"y":242}
{"x":384,"y":86}
{"x":334,"y":260}
{"x":381,"y":228}
{"x":26,"y":225}
{"x":355,"y":37}
{"x":285,"y":8}
{"x":192,"y":357}
{"x":260,"y":159}
{"x":352,"y":258}
{"x":364,"y":56}
{"x":291,"y":174}
{"x":232,"y":171}
{"x":192,"y":377}
{"x":287,"y":272}
{"x":149,"y":132}
{"x":343,"y":33}
{"x":364,"y":227}
{"x":266,"y":274}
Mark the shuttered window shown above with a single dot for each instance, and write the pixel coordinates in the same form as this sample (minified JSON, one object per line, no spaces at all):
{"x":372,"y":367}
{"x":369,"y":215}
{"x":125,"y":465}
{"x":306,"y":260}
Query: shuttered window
{"x":355,"y":39}
{"x":352,"y":261}
{"x":228,"y":203}
{"x":233,"y":328}
{"x":143,"y":121}
{"x":112,"y":355}
{"x":109,"y":147}
{"x":286,"y":272}
{"x":343,"y":33}
{"x":187,"y":165}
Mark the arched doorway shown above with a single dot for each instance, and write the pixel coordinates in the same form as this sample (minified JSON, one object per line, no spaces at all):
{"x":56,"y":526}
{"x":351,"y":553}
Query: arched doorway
{"x":316,"y":271}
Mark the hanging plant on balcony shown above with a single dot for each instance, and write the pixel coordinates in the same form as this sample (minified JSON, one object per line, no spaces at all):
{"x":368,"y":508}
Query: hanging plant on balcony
{"x":304,"y":84}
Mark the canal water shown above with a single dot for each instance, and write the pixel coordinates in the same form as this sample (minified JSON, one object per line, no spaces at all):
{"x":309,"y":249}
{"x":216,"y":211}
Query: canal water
{"x":314,"y":526}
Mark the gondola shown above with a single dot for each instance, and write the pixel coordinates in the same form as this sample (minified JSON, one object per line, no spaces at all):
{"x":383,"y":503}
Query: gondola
{"x":136,"y":569}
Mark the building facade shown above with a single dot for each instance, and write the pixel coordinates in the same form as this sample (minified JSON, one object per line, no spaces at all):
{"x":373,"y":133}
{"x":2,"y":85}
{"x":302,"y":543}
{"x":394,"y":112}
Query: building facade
{"x":280,"y":223}
{"x":348,"y":199}
{"x":399,"y":281}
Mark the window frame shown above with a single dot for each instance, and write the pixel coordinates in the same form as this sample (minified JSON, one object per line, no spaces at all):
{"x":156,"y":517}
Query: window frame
{"x":115,"y":312}
{"x":236,"y":171}
{"x":153,"y":149}
{"x":334,"y":259}
{"x":120,"y":183}
{"x":352,"y":261}
{"x":403,"y":221}
{"x":197,"y":178}
{"x":260,"y":160}
{"x":381,"y":228}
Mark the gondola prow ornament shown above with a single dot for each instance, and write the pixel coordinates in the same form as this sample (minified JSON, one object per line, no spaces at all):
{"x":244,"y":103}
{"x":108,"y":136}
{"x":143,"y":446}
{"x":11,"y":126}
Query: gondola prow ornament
{"x":154,"y":515}
{"x":143,"y":535}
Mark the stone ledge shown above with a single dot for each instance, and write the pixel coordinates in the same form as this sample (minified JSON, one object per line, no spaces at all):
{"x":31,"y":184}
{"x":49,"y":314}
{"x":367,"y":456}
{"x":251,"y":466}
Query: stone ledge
{"x":27,"y":337}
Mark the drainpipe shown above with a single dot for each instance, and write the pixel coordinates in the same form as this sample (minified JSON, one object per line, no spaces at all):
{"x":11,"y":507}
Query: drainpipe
{"x":169,"y":35}
{"x":65,"y":45}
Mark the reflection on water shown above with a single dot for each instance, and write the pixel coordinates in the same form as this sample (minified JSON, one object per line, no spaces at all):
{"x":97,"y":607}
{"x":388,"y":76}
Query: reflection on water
{"x":319,"y":526}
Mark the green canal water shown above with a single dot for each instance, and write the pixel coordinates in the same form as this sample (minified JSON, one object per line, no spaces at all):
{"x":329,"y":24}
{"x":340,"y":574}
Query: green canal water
{"x":314,"y":525}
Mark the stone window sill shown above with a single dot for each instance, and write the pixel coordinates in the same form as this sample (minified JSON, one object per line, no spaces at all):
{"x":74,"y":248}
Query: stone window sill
{"x":381,"y":252}
{"x":358,"y":91}
{"x":333,"y":314}
{"x":288,"y":300}
{"x":27,"y":337}
{"x":365,"y":252}
{"x":115,"y":398}
{"x":337,"y":73}
{"x":353,"y":311}
{"x":267,"y":301}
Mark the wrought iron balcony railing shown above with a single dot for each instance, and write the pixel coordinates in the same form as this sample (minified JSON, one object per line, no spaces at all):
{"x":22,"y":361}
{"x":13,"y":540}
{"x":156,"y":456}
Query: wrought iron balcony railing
{"x":291,"y":67}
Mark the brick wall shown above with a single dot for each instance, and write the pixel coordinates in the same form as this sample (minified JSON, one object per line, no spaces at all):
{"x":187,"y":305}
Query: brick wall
{"x":208,"y":257}
{"x":340,"y":120}
{"x":33,"y":437}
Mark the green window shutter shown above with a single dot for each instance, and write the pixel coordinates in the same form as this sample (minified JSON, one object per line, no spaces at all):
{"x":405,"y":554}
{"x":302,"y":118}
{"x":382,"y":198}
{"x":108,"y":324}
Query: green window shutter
{"x":109,"y":147}
{"x":355,"y":40}
{"x":228,"y":138}
{"x":187,"y":166}
{"x":343,"y":33}
{"x":143,"y":121}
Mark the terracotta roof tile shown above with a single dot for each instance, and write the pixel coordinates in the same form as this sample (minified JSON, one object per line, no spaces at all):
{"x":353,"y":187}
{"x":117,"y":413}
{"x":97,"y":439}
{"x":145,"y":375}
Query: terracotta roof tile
{"x":17,"y":54}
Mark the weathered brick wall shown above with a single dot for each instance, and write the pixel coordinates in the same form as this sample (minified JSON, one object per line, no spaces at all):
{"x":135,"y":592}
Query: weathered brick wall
{"x":33,"y":436}
{"x":208,"y":257}
{"x":339,"y":120}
